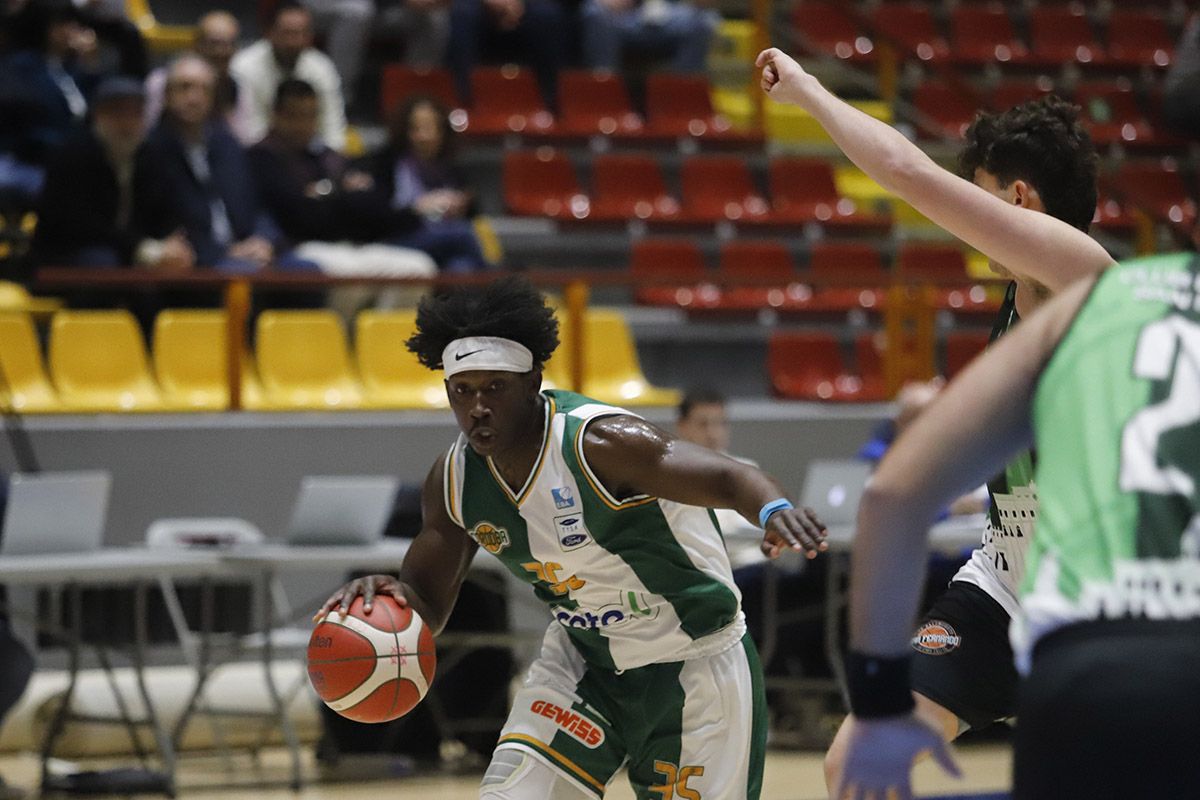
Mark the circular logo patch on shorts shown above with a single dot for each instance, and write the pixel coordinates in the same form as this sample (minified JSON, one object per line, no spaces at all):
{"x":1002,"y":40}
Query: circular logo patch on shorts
{"x":936,"y":638}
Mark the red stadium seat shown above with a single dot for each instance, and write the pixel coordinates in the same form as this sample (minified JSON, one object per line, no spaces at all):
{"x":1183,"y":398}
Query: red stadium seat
{"x":961,"y":347}
{"x":507,"y":100}
{"x":827,"y":28}
{"x":398,"y":83}
{"x":1112,"y":216}
{"x":913,"y":28}
{"x":542,"y":182}
{"x":984,"y":34}
{"x":847,"y":275}
{"x":718,"y":188}
{"x":1062,"y":35}
{"x":949,"y":109}
{"x":1014,"y":93}
{"x":869,"y":349}
{"x":809,"y":366}
{"x":628,"y":187}
{"x":803,"y":190}
{"x":678,"y":106}
{"x":1158,"y":188}
{"x":760,"y":261}
{"x":1139,"y":37}
{"x":1111,"y":114}
{"x":937,"y":262}
{"x":595,"y":103}
{"x":677,"y":260}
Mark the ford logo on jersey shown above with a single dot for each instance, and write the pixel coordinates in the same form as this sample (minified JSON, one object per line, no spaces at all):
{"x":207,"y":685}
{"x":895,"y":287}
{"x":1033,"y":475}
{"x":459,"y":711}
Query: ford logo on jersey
{"x":571,"y":532}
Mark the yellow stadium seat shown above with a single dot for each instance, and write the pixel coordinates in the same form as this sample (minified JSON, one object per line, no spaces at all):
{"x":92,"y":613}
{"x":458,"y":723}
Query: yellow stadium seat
{"x":856,"y":185}
{"x":24,"y":387}
{"x":304,"y":362}
{"x":98,"y":363}
{"x":189,"y":358}
{"x":14,"y":297}
{"x":612,"y":373}
{"x":160,"y":38}
{"x":735,"y":104}
{"x":791,"y":124}
{"x":391,"y":375}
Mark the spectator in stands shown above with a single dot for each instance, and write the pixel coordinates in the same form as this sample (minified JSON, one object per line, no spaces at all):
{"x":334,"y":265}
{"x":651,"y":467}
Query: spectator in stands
{"x":44,"y":83}
{"x":1181,"y":89}
{"x":16,"y":663}
{"x":416,"y":173}
{"x":203,"y":174}
{"x":676,"y":30}
{"x":531,"y":32}
{"x":99,"y":192}
{"x":425,"y":25}
{"x":346,"y":25}
{"x":328,"y":209}
{"x":216,"y":41}
{"x":288,"y":52}
{"x":704,"y":420}
{"x":107,"y":18}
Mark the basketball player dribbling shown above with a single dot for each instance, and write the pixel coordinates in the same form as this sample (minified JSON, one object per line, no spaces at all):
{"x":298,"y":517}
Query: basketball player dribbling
{"x":1026,"y":200}
{"x":646,"y":663}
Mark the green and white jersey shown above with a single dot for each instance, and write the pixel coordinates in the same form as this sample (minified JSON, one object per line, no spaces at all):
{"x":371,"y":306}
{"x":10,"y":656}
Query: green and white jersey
{"x":634,"y":581}
{"x":1116,"y":417}
{"x":998,"y":565}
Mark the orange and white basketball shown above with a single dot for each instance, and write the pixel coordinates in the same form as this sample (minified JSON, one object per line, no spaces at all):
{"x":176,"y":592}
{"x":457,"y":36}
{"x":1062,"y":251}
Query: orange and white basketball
{"x":372,"y":667}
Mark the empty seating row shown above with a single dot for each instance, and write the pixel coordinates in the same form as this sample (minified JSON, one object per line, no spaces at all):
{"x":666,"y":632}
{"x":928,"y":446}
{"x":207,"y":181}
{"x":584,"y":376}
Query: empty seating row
{"x":97,"y":361}
{"x":812,"y":365}
{"x":840,"y":276}
{"x":507,"y":101}
{"x":543,"y":182}
{"x":983,"y":33}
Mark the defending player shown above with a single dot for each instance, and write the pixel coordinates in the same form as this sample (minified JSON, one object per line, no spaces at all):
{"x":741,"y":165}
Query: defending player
{"x":647,"y":662}
{"x":1106,"y":380}
{"x":1033,"y":158}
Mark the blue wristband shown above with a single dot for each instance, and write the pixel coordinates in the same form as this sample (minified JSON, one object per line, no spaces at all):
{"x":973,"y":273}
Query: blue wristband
{"x":770,"y":508}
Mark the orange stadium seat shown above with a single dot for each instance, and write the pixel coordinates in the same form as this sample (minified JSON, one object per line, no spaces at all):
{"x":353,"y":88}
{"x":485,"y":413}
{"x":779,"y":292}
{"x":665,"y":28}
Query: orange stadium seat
{"x":98,"y":363}
{"x":827,"y":28}
{"x":1139,"y":37}
{"x":25,"y":387}
{"x":1062,"y":35}
{"x":595,"y":103}
{"x":947,"y":108}
{"x":399,"y":82}
{"x":912,"y":26}
{"x":858,"y":272}
{"x":304,"y":362}
{"x":809,"y":366}
{"x":984,"y":34}
{"x":628,"y":187}
{"x":507,"y":100}
{"x":961,"y":347}
{"x":804,"y":190}
{"x":542,"y":182}
{"x":717,"y":188}
{"x":677,"y":260}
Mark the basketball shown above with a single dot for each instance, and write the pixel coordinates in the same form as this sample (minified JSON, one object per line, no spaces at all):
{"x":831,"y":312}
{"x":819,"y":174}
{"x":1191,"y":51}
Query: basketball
{"x":372,"y":667}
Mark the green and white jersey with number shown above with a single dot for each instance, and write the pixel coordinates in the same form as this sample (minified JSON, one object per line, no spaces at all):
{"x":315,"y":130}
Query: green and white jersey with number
{"x":998,"y":565}
{"x":1116,"y":417}
{"x":634,"y":581}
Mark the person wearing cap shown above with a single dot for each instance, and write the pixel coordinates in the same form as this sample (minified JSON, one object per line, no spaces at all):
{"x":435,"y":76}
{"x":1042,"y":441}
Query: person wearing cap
{"x":100,"y":195}
{"x":646,"y":663}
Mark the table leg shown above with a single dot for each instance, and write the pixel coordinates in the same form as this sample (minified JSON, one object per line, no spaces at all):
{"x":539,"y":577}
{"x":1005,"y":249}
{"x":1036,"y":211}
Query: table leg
{"x":834,"y":600}
{"x":281,"y":711}
{"x":166,"y":750}
{"x":59,"y":720}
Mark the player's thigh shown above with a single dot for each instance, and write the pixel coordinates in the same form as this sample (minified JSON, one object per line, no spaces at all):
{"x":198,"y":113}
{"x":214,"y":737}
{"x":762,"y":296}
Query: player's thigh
{"x":709,"y":734}
{"x":516,"y":775}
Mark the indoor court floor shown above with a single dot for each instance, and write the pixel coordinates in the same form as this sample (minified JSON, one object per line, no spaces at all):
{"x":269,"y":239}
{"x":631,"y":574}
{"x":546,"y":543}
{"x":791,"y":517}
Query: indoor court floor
{"x":789,"y":776}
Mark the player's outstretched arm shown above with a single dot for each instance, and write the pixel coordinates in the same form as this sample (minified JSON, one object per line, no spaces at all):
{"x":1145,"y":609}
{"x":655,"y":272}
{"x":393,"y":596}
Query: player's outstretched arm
{"x":965,"y":436}
{"x":632,"y":457}
{"x":434,"y":566}
{"x":1026,"y":242}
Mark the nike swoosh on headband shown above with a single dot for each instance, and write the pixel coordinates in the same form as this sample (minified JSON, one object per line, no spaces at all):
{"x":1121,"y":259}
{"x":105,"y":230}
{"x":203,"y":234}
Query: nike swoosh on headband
{"x":461,"y":356}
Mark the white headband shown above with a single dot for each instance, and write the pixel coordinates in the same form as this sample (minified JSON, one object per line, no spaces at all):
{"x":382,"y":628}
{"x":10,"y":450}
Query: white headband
{"x":485,"y":353}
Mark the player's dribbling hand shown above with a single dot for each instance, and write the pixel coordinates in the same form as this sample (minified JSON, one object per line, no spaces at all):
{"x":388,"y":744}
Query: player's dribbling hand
{"x":368,"y":587}
{"x":881,"y":753}
{"x":794,"y":529}
{"x":782,"y":78}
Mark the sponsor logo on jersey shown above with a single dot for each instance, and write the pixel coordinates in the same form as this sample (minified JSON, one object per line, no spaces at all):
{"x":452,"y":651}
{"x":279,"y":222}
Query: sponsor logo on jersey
{"x":632,"y":606}
{"x":563,"y":497}
{"x":572,"y":722}
{"x":490,"y":537}
{"x":571,"y":532}
{"x":936,"y":638}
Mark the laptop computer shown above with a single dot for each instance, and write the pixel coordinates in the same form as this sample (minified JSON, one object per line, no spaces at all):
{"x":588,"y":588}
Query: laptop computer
{"x":834,"y":487}
{"x":55,"y":512}
{"x":344,"y":510}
